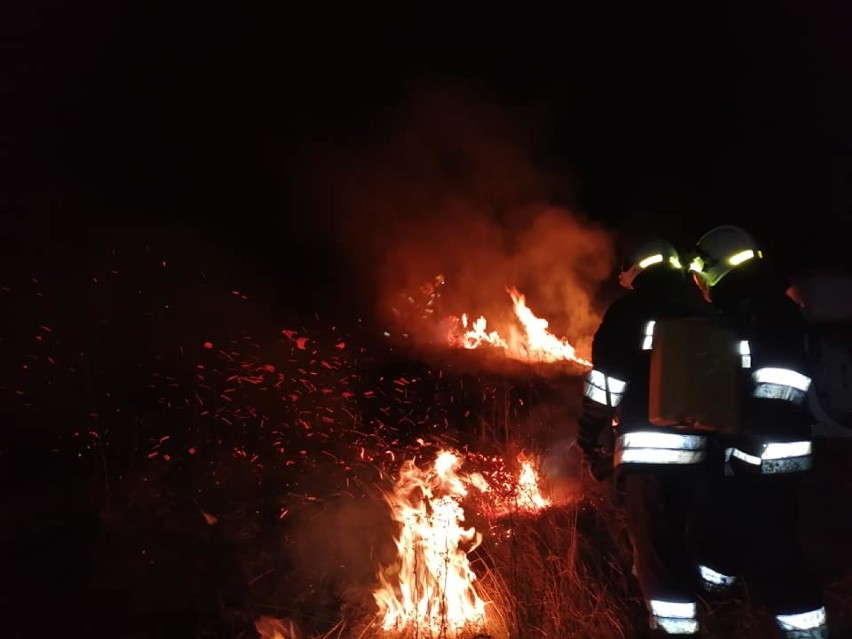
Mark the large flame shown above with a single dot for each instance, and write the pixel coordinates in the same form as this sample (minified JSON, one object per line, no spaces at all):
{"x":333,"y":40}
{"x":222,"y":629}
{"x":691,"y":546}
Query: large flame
{"x":431,"y":590}
{"x":534,"y":343}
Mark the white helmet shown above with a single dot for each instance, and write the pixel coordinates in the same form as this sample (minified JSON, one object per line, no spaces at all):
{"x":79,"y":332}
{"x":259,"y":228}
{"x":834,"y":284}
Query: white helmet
{"x":650,"y":254}
{"x":719,"y":251}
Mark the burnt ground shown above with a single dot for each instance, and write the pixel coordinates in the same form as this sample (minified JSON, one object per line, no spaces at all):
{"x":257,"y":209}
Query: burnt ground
{"x":180,"y":458}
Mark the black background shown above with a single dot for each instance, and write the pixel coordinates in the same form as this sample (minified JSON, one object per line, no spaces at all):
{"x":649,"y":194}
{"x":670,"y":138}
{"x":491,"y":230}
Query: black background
{"x":201,"y":116}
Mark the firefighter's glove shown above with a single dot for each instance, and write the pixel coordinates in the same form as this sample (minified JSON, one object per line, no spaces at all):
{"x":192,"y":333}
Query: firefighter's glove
{"x":599,"y":462}
{"x":596,"y":442}
{"x":598,"y":452}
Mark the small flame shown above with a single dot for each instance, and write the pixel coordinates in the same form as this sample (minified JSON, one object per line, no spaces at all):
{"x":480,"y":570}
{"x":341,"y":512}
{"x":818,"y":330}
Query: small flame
{"x":432,"y":588}
{"x":529,"y":497}
{"x":536,"y":343}
{"x":272,"y":628}
{"x":507,"y":494}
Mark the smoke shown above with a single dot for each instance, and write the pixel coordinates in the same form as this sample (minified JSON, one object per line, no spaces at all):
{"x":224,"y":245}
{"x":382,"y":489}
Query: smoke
{"x":449,"y":185}
{"x":337,"y":549}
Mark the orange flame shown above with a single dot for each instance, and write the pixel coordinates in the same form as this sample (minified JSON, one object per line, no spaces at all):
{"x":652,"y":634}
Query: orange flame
{"x":272,"y":628}
{"x":432,"y":589}
{"x":529,"y":497}
{"x":536,"y":343}
{"x":507,"y":494}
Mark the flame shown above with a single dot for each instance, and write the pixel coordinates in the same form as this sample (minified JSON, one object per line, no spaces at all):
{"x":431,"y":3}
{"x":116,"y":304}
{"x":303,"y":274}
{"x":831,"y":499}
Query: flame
{"x":432,"y":589}
{"x":508,"y":494}
{"x":536,"y":343}
{"x":272,"y":628}
{"x":529,"y":497}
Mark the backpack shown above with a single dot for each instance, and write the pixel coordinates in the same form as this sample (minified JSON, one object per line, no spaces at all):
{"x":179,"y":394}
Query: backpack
{"x":696,"y":374}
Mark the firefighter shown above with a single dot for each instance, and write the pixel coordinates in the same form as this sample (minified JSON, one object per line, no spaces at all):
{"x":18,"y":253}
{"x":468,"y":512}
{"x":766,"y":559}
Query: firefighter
{"x":657,"y":469}
{"x":751,"y":517}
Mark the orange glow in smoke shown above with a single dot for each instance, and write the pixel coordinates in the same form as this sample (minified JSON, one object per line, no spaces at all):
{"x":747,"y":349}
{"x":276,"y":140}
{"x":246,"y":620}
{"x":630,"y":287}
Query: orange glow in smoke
{"x":431,"y":589}
{"x":533,"y":342}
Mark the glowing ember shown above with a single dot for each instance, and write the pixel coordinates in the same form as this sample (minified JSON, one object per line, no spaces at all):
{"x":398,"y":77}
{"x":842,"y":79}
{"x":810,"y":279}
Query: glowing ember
{"x":431,"y":590}
{"x":534,"y":343}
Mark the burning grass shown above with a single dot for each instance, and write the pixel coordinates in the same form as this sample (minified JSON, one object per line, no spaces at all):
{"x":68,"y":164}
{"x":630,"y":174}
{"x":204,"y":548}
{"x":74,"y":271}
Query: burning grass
{"x":499,"y":569}
{"x":558,"y":571}
{"x":222,"y":469}
{"x":531,"y":343}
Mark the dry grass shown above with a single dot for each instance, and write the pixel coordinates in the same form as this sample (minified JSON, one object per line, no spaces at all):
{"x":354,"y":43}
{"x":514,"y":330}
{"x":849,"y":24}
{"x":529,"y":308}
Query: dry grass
{"x":565,"y":574}
{"x":559,"y":574}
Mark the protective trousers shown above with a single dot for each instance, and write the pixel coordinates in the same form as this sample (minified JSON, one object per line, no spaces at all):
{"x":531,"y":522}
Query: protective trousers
{"x":748,"y":528}
{"x":660,"y":507}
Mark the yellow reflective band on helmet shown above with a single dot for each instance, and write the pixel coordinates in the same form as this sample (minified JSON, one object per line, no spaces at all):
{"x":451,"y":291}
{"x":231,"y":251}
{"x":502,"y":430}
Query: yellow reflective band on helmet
{"x":696,"y":265}
{"x":739,"y":258}
{"x":653,"y":259}
{"x":675,"y":262}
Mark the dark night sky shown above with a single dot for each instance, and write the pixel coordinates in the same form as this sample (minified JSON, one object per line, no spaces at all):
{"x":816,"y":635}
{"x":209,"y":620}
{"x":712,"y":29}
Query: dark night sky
{"x":202,"y":115}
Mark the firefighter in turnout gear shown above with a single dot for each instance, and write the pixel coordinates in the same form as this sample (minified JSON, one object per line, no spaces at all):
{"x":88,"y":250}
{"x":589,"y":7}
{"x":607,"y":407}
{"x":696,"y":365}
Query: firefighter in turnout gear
{"x":751,"y":514}
{"x":657,"y":468}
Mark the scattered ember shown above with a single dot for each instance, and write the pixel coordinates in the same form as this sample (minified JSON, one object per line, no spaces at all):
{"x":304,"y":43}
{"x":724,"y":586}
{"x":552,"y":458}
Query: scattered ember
{"x":146,"y":383}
